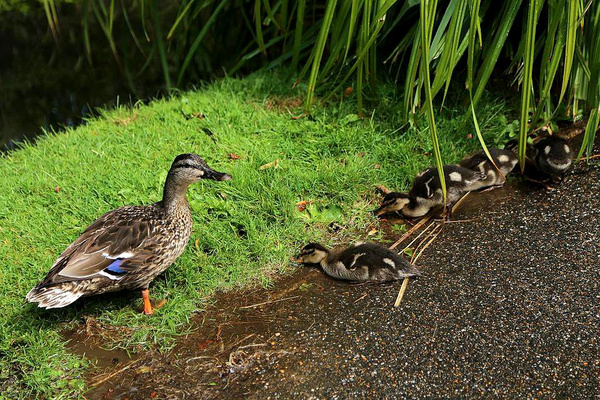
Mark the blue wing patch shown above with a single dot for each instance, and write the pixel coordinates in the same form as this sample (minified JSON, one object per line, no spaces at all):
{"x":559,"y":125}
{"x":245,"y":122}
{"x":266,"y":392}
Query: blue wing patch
{"x":115,"y":267}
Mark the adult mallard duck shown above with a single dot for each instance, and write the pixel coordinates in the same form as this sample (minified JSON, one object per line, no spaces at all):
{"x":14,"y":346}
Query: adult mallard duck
{"x":128,"y":247}
{"x":426,"y":192}
{"x":504,"y":160}
{"x":361,"y":262}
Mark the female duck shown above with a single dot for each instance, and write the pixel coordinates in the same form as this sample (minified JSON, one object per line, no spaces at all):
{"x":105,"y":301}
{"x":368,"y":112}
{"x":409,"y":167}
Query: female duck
{"x":426,"y":192}
{"x":504,"y":162}
{"x":361,"y":262}
{"x":128,"y":247}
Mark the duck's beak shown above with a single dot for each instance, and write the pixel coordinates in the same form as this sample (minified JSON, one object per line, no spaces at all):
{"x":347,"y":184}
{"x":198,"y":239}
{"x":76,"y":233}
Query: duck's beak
{"x":298,"y":259}
{"x":210,"y":173}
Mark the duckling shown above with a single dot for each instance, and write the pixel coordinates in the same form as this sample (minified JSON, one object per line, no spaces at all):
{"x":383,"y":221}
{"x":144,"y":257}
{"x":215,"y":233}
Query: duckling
{"x":552,"y":156}
{"x":128,"y":247}
{"x":504,"y":159}
{"x":426,"y":192}
{"x":360,"y":262}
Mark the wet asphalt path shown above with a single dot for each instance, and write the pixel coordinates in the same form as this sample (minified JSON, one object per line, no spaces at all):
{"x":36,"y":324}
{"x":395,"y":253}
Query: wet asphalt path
{"x":509,"y":307}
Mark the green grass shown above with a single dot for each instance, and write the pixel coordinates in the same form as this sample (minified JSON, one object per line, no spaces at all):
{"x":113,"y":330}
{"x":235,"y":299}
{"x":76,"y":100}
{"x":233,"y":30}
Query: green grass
{"x":245,"y":230}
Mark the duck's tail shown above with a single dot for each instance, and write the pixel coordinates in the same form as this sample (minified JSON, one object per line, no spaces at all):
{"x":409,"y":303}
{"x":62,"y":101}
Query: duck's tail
{"x":53,"y":296}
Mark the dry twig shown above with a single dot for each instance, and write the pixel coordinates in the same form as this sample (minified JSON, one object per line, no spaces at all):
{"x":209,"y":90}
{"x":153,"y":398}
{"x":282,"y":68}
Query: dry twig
{"x":410,"y":231}
{"x":267,"y":302}
{"x":107,"y":377}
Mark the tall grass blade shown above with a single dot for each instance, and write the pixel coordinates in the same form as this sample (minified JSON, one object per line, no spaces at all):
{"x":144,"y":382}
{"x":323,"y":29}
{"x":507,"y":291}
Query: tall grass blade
{"x":51,"y":17}
{"x":179,"y":18}
{"x":298,"y":32}
{"x":590,"y":134}
{"x":472,"y":34}
{"x":428,"y":8}
{"x":160,"y":43}
{"x":258,"y":26}
{"x":194,"y":47}
{"x":85,"y":9}
{"x":317,"y":53}
{"x":573,"y":17}
{"x":527,"y":85}
{"x":478,"y":131}
{"x":130,"y":27}
{"x":411,"y":98}
{"x":493,"y":50}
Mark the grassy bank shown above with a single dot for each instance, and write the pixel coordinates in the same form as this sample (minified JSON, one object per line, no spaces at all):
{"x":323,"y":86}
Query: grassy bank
{"x":245,"y":230}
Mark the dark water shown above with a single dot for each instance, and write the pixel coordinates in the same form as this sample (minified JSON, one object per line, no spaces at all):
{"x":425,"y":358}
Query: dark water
{"x":48,"y":84}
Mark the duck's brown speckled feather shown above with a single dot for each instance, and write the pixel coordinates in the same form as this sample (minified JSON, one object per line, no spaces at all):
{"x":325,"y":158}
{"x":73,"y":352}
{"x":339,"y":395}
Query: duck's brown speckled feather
{"x":134,"y":233}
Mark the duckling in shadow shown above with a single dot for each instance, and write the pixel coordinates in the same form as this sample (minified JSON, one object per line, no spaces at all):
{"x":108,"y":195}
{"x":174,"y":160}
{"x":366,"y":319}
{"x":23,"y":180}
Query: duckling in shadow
{"x":361,"y":262}
{"x":504,"y":162}
{"x":426,"y":192}
{"x":552,"y":156}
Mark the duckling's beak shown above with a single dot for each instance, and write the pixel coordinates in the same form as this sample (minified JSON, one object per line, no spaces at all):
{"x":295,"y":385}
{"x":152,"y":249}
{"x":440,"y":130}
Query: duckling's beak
{"x":379,"y":211}
{"x":210,"y":173}
{"x":298,"y":259}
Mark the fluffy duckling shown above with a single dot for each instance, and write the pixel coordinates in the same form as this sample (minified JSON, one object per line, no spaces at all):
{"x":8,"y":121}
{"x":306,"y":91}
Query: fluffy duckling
{"x":504,"y":159}
{"x":360,"y":262}
{"x":426,"y":192}
{"x":552,"y":156}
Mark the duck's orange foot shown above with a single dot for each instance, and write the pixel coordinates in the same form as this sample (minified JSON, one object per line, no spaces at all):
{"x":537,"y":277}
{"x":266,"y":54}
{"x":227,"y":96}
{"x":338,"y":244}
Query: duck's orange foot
{"x":148,"y":308}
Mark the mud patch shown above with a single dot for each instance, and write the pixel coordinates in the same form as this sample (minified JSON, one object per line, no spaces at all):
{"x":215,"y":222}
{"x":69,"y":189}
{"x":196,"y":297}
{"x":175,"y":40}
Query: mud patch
{"x":239,"y":334}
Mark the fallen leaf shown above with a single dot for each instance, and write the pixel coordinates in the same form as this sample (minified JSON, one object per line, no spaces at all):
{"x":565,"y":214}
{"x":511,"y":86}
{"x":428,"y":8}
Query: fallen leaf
{"x":204,"y":345}
{"x":56,"y":189}
{"x":301,"y":205}
{"x":272,"y":164}
{"x":377,"y":166}
{"x":372,"y":232}
{"x":233,"y":156}
{"x":198,"y":115}
{"x":348,"y":91}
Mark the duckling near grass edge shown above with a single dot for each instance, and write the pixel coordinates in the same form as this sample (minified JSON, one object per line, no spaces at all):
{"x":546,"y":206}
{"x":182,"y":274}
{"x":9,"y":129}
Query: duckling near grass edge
{"x":360,"y":262}
{"x":505,"y":160}
{"x":426,"y":192}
